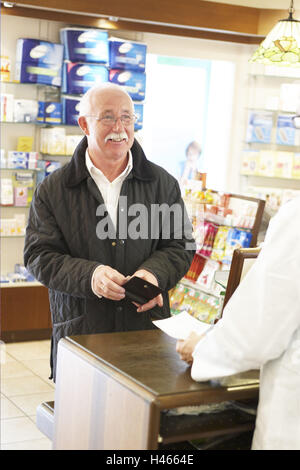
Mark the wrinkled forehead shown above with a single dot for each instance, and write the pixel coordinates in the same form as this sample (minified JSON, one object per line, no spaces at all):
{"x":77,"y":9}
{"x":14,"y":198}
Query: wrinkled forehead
{"x":111,"y":101}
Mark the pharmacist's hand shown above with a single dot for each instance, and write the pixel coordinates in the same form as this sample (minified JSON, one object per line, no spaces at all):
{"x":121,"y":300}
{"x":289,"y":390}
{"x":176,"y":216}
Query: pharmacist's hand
{"x":153,"y":302}
{"x":186,"y":347}
{"x":107,"y":282}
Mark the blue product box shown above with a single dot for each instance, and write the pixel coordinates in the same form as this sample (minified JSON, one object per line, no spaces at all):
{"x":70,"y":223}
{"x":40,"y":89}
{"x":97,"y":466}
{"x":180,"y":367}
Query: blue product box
{"x":79,"y":77}
{"x":70,"y":110}
{"x":51,"y":166}
{"x":41,"y":111}
{"x":236,"y":238}
{"x":39,"y":62}
{"x":285,"y":131}
{"x":41,"y":173}
{"x":127,"y":55}
{"x":139,"y":112}
{"x":134,"y":82}
{"x":259,"y":127}
{"x":85,"y":45}
{"x":53,"y":112}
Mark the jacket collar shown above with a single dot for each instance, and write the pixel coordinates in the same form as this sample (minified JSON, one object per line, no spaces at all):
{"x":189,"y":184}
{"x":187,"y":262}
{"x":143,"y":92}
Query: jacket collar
{"x":77,"y":171}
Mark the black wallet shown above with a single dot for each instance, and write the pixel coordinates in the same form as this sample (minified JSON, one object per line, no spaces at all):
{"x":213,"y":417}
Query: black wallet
{"x":140,"y":291}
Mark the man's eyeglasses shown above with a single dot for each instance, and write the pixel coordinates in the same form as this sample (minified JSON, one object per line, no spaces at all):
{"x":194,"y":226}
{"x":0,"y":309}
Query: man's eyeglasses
{"x":110,"y":120}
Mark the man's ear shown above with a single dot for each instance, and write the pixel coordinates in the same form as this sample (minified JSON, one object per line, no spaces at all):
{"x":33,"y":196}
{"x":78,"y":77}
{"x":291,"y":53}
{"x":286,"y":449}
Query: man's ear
{"x":82,"y":122}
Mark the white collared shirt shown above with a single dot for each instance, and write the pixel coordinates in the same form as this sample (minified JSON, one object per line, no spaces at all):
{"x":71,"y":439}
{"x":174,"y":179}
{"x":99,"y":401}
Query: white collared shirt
{"x":110,"y":190}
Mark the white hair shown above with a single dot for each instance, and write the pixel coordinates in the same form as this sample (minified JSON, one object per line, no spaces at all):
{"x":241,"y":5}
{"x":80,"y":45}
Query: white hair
{"x":85,"y":102}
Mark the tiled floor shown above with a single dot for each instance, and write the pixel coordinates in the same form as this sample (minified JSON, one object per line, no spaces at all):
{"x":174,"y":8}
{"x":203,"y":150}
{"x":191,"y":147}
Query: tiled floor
{"x":24,"y":385}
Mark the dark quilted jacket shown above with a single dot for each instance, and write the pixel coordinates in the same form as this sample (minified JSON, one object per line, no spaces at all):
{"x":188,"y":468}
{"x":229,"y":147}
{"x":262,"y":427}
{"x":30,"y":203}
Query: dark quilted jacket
{"x":62,"y":249}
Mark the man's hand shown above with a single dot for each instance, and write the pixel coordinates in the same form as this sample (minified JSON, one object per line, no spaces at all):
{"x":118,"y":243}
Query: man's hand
{"x":186,"y":347}
{"x":142,"y":273}
{"x":107,"y":282}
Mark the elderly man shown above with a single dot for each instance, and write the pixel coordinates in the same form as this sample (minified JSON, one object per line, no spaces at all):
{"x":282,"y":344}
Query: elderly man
{"x":97,"y":221}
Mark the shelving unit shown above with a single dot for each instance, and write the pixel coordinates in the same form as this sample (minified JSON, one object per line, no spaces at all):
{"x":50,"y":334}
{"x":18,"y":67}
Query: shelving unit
{"x":201,"y":291}
{"x":270,"y":170}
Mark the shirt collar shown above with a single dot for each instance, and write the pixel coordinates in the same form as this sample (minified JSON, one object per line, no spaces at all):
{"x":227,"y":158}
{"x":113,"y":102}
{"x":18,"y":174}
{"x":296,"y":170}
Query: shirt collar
{"x":92,"y":169}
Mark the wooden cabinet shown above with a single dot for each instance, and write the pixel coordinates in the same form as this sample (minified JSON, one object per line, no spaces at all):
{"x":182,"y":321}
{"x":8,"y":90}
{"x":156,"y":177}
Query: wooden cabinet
{"x":25,"y":313}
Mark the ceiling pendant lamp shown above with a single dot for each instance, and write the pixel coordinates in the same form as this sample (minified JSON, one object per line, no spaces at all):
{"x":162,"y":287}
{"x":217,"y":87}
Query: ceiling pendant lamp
{"x":282,"y":44}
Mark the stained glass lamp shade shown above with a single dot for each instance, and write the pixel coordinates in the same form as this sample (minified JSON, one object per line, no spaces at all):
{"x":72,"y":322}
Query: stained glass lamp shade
{"x":282,"y":44}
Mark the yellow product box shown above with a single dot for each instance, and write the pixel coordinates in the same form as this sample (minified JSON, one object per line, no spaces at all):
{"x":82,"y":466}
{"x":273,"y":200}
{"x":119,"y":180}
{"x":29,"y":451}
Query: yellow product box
{"x":284,"y":164}
{"x":53,"y":141}
{"x":5,"y":68}
{"x":296,"y":166}
{"x":267,"y":162}
{"x":250,"y":159}
{"x":25,"y":144}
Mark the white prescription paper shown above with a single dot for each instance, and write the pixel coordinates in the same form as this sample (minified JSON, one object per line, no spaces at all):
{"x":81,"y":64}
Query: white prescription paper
{"x":181,"y":325}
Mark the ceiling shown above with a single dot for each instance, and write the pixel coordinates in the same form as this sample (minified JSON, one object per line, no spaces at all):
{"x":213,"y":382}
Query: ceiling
{"x":271,"y":4}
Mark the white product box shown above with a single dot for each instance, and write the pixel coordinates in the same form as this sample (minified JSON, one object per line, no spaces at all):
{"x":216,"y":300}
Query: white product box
{"x":71,"y":143}
{"x":7,"y":194}
{"x":25,"y":110}
{"x":53,"y":141}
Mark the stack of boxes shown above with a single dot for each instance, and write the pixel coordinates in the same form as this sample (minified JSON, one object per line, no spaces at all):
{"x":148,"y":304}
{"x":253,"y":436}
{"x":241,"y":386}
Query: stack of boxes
{"x":91,"y":57}
{"x":127,"y":62}
{"x":85,"y":57}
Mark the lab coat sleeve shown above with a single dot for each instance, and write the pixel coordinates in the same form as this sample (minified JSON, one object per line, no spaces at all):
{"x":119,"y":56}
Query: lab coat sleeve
{"x":263,"y":313}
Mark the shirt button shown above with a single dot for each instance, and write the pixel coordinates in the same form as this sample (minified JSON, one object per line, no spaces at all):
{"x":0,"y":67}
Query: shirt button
{"x":113,"y":243}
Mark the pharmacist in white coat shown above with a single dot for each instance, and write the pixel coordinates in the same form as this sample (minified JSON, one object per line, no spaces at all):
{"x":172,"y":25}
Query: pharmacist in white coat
{"x":260,"y":329}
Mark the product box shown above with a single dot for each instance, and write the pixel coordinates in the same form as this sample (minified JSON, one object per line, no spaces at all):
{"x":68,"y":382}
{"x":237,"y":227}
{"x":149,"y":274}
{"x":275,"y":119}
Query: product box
{"x":52,"y":141}
{"x":71,"y":143}
{"x":134,"y":82}
{"x":236,"y":239}
{"x":41,"y":111}
{"x":296,"y":166}
{"x":25,"y":143}
{"x":38,"y":62}
{"x":3,"y":162}
{"x":53,"y":112}
{"x":5,"y":68}
{"x":259,"y":127}
{"x":7,"y":107}
{"x":127,"y":55}
{"x":250,"y":162}
{"x":23,"y":189}
{"x":79,"y":77}
{"x":85,"y":45}
{"x":70,"y":110}
{"x":284,"y":164}
{"x":22,"y":160}
{"x":267,"y":162}
{"x":51,"y":166}
{"x":25,"y":110}
{"x":139,"y":112}
{"x":285,"y":131}
{"x":41,"y":171}
{"x":6,"y":193}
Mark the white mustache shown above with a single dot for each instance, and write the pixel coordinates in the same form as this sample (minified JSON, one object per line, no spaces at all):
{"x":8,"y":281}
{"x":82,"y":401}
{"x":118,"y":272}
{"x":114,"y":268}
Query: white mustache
{"x":115,"y":136}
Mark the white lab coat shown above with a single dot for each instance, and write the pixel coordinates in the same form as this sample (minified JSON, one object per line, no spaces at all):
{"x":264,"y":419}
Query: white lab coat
{"x":260,"y":329}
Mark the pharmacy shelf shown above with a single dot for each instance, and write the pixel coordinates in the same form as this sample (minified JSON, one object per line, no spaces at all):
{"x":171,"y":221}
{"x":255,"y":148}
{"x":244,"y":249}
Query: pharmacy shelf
{"x":12,"y":236}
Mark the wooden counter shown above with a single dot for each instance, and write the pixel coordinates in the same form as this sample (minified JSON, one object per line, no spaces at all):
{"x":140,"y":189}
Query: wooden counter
{"x":111,"y":390}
